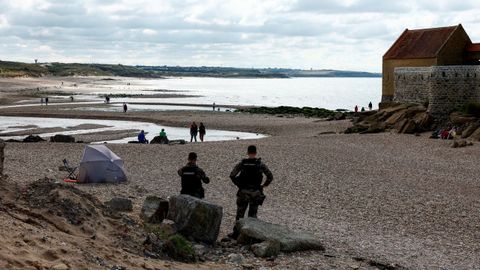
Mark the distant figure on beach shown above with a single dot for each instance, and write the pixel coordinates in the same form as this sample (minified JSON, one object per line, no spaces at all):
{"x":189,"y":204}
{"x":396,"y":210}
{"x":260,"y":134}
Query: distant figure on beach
{"x":213,"y":106}
{"x":370,"y":106}
{"x":107,"y":99}
{"x":192,"y":177}
{"x":125,"y":107}
{"x":363,"y":109}
{"x":193,"y":132}
{"x":248,"y":176}
{"x":356,"y":108}
{"x":46,"y":101}
{"x":71,"y":98}
{"x":41,"y":101}
{"x":141,"y":137}
{"x":202,"y":131}
{"x":163,"y":137}
{"x":62,"y":83}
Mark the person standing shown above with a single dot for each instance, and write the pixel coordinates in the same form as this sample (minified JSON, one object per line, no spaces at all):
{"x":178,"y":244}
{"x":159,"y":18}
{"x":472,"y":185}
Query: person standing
{"x":41,"y":101}
{"x":46,"y":101}
{"x":248,"y":176}
{"x":213,"y":106}
{"x":125,"y":107}
{"x":193,"y":132}
{"x":202,"y":131}
{"x":356,"y":108}
{"x":370,"y":106}
{"x":192,"y":177}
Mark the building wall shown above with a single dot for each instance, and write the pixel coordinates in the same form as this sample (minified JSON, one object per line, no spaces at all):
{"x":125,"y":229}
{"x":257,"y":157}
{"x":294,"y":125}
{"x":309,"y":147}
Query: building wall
{"x":453,"y":52}
{"x":446,"y":88}
{"x":388,"y":80}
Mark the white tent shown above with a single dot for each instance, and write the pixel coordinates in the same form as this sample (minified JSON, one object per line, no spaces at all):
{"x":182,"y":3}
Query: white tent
{"x":100,"y":165}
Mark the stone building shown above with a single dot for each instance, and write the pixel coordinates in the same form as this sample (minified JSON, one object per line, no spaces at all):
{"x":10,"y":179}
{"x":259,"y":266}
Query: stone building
{"x":444,"y":46}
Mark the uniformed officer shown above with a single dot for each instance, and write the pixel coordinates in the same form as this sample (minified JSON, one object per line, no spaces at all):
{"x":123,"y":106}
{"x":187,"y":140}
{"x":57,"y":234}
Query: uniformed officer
{"x":248,"y":176}
{"x":192,"y":177}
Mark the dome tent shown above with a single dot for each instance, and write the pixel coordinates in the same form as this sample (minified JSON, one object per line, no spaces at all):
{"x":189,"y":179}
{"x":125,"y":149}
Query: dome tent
{"x":100,"y":165}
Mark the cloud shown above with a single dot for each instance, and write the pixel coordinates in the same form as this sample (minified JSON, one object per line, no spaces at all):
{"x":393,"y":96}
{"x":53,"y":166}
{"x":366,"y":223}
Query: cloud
{"x":347,"y":34}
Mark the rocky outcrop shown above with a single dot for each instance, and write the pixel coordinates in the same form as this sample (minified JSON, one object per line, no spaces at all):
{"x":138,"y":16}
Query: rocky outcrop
{"x":266,"y":249}
{"x":62,"y":138}
{"x":196,"y":219}
{"x":404,"y":118}
{"x":252,"y":231}
{"x":154,"y":209}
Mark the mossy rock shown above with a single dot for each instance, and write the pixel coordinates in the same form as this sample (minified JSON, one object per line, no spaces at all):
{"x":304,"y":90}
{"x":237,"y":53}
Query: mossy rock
{"x":179,"y":248}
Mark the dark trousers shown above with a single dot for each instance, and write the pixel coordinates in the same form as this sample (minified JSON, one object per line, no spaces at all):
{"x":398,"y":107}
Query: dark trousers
{"x":193,"y":136}
{"x":201,"y":136}
{"x":247,"y":199}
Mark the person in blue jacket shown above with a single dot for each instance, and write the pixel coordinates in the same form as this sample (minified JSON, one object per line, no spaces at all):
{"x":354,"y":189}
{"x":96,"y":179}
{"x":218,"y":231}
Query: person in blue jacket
{"x":141,"y":137}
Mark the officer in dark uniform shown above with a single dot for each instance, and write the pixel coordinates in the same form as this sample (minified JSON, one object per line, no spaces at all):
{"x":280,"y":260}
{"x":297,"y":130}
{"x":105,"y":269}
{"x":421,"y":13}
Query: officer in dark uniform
{"x":192,"y":177}
{"x":248,"y":176}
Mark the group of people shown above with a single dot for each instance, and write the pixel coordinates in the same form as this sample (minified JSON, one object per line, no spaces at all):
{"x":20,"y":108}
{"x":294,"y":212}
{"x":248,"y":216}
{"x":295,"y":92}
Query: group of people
{"x":448,"y":133}
{"x":163,"y":139}
{"x":44,"y":100}
{"x":197,"y":130}
{"x":247,"y":175}
{"x":370,"y":107}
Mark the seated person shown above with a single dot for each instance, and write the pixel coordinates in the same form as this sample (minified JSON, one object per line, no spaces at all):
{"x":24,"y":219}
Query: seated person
{"x":141,"y":137}
{"x":163,"y":137}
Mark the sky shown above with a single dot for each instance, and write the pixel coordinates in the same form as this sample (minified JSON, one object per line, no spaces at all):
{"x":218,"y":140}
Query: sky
{"x":318,"y":34}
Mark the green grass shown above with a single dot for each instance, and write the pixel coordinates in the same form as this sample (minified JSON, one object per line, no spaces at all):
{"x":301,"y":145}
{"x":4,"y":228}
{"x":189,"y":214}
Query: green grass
{"x":179,"y":248}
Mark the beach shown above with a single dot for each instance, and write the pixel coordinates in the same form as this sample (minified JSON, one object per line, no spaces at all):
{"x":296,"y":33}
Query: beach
{"x":391,"y":198}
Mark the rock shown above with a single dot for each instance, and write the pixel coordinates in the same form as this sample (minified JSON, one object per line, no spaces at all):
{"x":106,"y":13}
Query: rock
{"x":120,"y":205}
{"x":424,"y":121}
{"x":475,"y":135}
{"x":196,"y":219}
{"x":173,"y":142}
{"x":154,"y":210}
{"x":252,"y":230}
{"x":406,"y":126}
{"x":133,"y":142}
{"x":266,"y":249}
{"x":470,"y":129}
{"x":159,"y":140}
{"x":62,"y":138}
{"x":236,"y":259}
{"x":200,"y":250}
{"x":33,"y":138}
{"x":60,"y":266}
{"x":458,"y":119}
{"x":374,"y":128}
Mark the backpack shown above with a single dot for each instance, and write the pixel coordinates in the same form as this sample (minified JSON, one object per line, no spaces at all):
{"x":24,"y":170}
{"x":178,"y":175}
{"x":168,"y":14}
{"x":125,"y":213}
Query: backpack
{"x":191,"y":183}
{"x":251,"y":174}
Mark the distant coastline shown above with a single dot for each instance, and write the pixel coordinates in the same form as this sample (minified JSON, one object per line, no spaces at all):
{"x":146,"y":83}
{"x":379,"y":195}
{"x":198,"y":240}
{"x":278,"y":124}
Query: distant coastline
{"x":10,"y":69}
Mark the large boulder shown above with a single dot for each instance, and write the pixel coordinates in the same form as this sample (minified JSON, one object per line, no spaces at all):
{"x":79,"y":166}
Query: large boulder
{"x":406,"y":126}
{"x":195,"y":219}
{"x":266,"y":249}
{"x":475,"y":135}
{"x":154,"y":209}
{"x":459,"y":119}
{"x":159,"y":140}
{"x":119,"y":204}
{"x":62,"y":138}
{"x":470,"y":129}
{"x":173,"y":142}
{"x":252,"y":230}
{"x":33,"y":138}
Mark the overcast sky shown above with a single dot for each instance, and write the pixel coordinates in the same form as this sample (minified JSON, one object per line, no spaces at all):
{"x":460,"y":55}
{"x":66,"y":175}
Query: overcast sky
{"x":348,"y":34}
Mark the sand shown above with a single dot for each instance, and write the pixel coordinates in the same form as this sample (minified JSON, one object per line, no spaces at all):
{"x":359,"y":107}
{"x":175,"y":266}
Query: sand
{"x":391,"y":198}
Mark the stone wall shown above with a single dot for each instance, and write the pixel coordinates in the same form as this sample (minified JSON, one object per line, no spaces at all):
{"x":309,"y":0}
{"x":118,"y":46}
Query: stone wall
{"x":446,"y":88}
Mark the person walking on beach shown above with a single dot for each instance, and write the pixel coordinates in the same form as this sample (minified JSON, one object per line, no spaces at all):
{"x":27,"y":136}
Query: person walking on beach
{"x":370,"y":106}
{"x":192,"y":177}
{"x":248,"y":176}
{"x":356,"y":109}
{"x":46,"y":101}
{"x":213,"y":106}
{"x":125,"y":108}
{"x":193,"y":132}
{"x":41,"y":101}
{"x":202,"y":131}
